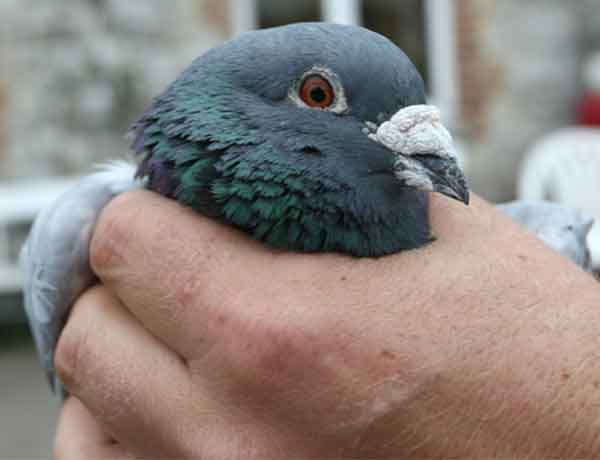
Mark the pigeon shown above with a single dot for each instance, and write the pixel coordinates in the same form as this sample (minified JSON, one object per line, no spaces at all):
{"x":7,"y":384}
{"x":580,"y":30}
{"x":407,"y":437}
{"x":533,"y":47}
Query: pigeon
{"x":563,"y":167}
{"x":311,"y":137}
{"x":562,"y":228}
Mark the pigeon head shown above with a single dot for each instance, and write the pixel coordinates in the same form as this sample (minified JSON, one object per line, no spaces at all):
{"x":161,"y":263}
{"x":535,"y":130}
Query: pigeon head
{"x":310,"y":137}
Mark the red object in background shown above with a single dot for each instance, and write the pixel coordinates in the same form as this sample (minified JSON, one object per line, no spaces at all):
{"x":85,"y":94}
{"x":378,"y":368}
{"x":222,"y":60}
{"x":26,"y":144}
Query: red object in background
{"x":589,"y":109}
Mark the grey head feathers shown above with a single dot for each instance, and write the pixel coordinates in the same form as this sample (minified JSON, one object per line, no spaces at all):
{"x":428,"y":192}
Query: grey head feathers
{"x":233,"y":139}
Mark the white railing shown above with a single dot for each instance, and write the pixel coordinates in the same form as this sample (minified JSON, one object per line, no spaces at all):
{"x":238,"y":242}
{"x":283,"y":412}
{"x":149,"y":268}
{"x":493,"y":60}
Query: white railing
{"x":20,"y":202}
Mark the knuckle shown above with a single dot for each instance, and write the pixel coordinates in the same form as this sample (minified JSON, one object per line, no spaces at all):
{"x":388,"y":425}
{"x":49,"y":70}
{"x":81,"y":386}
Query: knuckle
{"x":67,"y":357}
{"x":280,"y":353}
{"x":113,"y":233}
{"x":73,"y":348}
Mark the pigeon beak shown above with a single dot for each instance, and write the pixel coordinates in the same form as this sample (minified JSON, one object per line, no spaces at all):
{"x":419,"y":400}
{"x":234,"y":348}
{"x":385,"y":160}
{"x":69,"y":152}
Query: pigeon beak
{"x":445,"y":177}
{"x":424,"y":154}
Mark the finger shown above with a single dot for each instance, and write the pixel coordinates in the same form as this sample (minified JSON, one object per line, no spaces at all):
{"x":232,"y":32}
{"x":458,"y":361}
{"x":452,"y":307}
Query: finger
{"x":193,"y":282}
{"x":120,"y":373}
{"x":184,"y":276}
{"x":170,"y":266}
{"x":79,"y":436}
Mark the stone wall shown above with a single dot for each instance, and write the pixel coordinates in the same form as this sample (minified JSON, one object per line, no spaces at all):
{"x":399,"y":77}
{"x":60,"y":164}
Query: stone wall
{"x":520,"y":73}
{"x":79,"y":71}
{"x":75,"y":73}
{"x":520,"y":66}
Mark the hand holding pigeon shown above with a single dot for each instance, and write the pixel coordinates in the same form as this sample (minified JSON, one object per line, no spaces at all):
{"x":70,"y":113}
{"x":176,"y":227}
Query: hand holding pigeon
{"x":201,"y":343}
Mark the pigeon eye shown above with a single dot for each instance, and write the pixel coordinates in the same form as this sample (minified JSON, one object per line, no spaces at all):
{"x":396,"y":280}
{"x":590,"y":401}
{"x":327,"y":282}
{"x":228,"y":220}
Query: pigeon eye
{"x":316,"y":91}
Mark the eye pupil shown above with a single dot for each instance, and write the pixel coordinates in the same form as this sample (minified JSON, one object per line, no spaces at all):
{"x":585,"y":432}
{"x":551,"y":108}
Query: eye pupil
{"x":318,"y":95}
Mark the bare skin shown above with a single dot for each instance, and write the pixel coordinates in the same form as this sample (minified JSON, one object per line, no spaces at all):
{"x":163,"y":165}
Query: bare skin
{"x":203,"y":344}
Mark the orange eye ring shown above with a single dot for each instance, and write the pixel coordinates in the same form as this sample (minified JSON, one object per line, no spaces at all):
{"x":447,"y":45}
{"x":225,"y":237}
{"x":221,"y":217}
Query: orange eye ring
{"x":316,"y":91}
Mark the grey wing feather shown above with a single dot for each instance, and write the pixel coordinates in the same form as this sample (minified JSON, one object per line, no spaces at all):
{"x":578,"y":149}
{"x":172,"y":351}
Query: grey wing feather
{"x":563,"y":228}
{"x":55,"y":258}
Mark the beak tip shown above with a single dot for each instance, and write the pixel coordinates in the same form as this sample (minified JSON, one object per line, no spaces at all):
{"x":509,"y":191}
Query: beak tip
{"x":456,"y":191}
{"x":466,"y":198}
{"x":444,"y":176}
{"x":462,"y":196}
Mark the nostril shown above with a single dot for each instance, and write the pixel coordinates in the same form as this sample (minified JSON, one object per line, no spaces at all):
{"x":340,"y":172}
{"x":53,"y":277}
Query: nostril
{"x":311,"y":150}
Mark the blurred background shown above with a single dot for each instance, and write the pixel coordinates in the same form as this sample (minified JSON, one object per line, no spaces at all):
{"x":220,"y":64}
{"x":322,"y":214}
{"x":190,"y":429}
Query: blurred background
{"x":518,"y":83}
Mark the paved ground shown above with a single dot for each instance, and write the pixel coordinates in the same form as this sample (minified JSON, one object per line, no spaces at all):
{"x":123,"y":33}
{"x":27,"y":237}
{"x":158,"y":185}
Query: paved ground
{"x":27,"y":414}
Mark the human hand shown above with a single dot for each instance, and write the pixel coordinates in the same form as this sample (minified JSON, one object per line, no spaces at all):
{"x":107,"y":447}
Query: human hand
{"x":204,"y":344}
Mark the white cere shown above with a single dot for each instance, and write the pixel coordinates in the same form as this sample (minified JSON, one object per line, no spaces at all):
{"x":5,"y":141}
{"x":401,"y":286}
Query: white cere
{"x":416,"y":130}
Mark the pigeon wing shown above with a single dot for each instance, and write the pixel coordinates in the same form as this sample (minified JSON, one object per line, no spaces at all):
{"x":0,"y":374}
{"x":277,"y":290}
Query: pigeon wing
{"x":55,"y":257}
